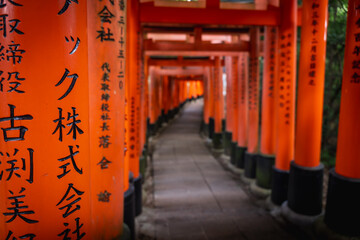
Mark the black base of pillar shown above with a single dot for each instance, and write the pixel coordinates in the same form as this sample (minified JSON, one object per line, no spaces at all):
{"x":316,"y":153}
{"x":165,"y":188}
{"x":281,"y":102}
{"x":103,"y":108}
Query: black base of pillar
{"x":279,"y":186}
{"x":152,"y":129}
{"x":138,"y":195}
{"x":202,"y":126}
{"x":171,"y":114}
{"x":217,"y":141}
{"x":158,"y":124}
{"x":233,"y":152}
{"x":211,"y":127}
{"x":240,"y":157}
{"x":223,"y":125}
{"x":142,"y":161}
{"x":343,"y":205}
{"x":206,"y":129}
{"x":165,"y":117}
{"x":305,"y":189}
{"x":227,"y":136}
{"x":161,"y":118}
{"x":264,"y":166}
{"x":250,"y":165}
{"x":177,"y":110}
{"x":129,"y":210}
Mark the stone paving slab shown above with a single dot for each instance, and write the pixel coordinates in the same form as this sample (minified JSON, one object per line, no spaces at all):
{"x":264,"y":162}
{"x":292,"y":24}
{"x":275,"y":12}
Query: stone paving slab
{"x":194,"y":197}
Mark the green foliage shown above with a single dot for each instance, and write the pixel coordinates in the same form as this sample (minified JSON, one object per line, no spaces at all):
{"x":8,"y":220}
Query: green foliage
{"x":333,"y":77}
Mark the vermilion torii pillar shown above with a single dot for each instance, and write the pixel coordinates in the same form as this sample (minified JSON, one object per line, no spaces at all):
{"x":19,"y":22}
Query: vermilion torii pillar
{"x":206,"y":112}
{"x":210,"y":76}
{"x":227,"y":138}
{"x":306,"y":171}
{"x":44,"y":121}
{"x":266,"y":157}
{"x":253,"y":106}
{"x":285,"y":103}
{"x":133,"y":114}
{"x":234,"y":82}
{"x":342,"y":207}
{"x":107,"y":101}
{"x":218,"y":100}
{"x":242,"y":129}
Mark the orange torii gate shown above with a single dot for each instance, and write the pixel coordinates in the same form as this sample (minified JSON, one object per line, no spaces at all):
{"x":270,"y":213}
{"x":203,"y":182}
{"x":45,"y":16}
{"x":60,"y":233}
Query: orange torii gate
{"x":343,"y":195}
{"x":58,"y":184}
{"x":93,"y":103}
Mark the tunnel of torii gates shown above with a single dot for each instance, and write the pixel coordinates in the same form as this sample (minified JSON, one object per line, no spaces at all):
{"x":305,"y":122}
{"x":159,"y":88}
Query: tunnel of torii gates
{"x":85,"y":84}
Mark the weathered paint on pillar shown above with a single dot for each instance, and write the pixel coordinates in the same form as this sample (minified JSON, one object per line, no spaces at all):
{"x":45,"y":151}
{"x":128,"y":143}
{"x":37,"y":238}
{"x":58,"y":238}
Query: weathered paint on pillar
{"x":242,"y":137}
{"x":311,"y":83}
{"x":106,"y":117}
{"x":228,"y":99}
{"x":152,"y":95}
{"x":142,"y":102}
{"x":218,"y":97}
{"x":253,"y":95}
{"x":270,"y":76}
{"x":343,"y":196}
{"x":44,"y":155}
{"x":306,"y":172}
{"x":348,"y":152}
{"x":287,"y":81}
{"x":206,"y":98}
{"x":133,"y":88}
{"x":235,"y":81}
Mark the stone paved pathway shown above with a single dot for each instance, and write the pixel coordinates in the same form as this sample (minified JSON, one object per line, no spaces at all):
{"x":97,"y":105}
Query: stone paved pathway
{"x":194,"y":197}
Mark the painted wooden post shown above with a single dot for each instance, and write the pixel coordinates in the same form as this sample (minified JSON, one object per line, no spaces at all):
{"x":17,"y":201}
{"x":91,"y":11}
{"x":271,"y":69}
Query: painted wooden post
{"x":44,"y":120}
{"x":152,"y":102}
{"x":266,"y":157}
{"x":242,"y":135}
{"x":164,"y":102}
{"x":132,"y":101}
{"x":253,"y":106}
{"x":343,"y":197}
{"x":107,"y":98}
{"x":234,"y":77}
{"x":306,"y":171}
{"x":285,"y":103}
{"x":206,"y":116}
{"x":218,"y":100}
{"x":142,"y":120}
{"x":210,"y":74}
{"x":227,"y":138}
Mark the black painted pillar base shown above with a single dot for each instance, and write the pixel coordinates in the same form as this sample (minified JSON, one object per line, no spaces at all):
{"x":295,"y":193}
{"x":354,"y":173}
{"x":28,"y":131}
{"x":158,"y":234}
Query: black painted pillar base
{"x":171,"y":114}
{"x":305,"y":189}
{"x":264,"y":169}
{"x":227,"y":136}
{"x":142,"y":164}
{"x":240,"y":156}
{"x":138,"y":195}
{"x":202,"y":126}
{"x":206,"y":129}
{"x":162,"y":118}
{"x":211,"y":127}
{"x":165,"y":116}
{"x":279,"y":186}
{"x":217,"y":141}
{"x":158,"y":124}
{"x":343,"y":205}
{"x":126,"y":235}
{"x":152,"y":129}
{"x":233,"y":153}
{"x":250,"y":165}
{"x":223,"y":125}
{"x":129,"y":210}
